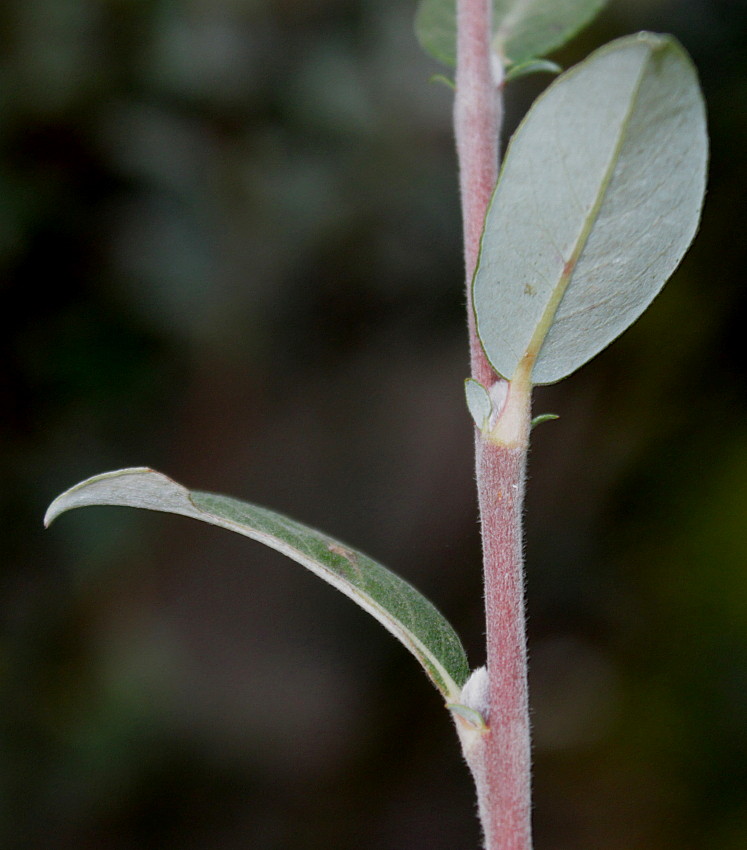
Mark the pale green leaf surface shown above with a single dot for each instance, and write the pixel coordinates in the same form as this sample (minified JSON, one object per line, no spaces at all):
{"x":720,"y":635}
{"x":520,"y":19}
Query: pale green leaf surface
{"x":527,"y":29}
{"x":407,"y":614}
{"x":474,"y":718}
{"x":598,"y":199}
{"x":522,"y":29}
{"x":478,"y":402}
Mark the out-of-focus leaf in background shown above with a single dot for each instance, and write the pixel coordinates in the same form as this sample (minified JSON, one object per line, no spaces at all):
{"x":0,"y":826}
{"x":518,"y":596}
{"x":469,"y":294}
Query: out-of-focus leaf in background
{"x":523,"y":30}
{"x":229,"y":241}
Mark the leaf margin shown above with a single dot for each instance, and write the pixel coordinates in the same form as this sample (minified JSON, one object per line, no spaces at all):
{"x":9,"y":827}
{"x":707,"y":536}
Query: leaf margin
{"x":523,"y":366}
{"x":163,"y":494}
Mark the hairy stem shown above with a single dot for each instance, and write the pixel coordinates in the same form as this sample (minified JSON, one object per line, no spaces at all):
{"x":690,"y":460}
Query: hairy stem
{"x":478,"y":115}
{"x":501,"y":762}
{"x":506,"y":770}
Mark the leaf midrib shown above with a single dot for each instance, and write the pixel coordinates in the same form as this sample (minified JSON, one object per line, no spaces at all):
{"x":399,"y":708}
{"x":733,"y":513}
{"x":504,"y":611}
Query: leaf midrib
{"x":534,"y":348}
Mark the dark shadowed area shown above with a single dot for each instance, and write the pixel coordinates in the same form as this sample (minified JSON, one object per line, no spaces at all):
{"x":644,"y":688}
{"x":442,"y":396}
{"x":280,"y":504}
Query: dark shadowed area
{"x":230,"y":250}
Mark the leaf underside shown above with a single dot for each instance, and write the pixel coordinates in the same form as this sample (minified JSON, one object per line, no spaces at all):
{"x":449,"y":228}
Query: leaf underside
{"x":522,"y":29}
{"x":400,"y":608}
{"x":598,"y":199}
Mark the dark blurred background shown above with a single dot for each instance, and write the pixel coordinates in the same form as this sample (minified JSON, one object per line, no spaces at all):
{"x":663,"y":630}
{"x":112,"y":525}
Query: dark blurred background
{"x":230,"y":249}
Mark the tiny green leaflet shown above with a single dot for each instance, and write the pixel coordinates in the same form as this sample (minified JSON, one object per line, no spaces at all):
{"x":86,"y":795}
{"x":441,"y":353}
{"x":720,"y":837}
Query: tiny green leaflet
{"x":479,"y":403}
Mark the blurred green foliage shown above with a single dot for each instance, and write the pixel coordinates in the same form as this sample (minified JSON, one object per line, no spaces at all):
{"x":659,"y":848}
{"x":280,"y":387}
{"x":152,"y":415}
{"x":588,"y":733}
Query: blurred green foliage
{"x":229,"y":240}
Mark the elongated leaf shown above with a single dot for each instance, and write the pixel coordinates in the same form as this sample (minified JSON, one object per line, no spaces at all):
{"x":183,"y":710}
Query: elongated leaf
{"x":522,"y":29}
{"x":597,"y":201}
{"x":407,"y":614}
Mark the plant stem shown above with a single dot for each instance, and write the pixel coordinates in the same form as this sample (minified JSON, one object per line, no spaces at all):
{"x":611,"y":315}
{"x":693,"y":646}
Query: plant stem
{"x":501,"y":763}
{"x":506,"y":772}
{"x":478,"y":114}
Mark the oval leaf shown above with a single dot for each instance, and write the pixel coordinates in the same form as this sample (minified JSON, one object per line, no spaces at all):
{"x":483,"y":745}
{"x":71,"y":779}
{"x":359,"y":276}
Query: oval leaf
{"x":522,"y":29}
{"x":400,"y":608}
{"x":598,"y":199}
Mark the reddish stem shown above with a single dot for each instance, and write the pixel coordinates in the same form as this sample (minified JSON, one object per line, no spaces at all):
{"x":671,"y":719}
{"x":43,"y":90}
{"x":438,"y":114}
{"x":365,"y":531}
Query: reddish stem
{"x":477,"y":120}
{"x":501,"y":765}
{"x":507,"y":756}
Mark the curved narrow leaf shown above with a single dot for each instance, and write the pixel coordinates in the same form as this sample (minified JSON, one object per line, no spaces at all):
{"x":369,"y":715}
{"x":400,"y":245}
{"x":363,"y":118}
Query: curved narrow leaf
{"x":522,"y":29}
{"x":543,"y":417}
{"x":400,"y":608}
{"x":598,"y":199}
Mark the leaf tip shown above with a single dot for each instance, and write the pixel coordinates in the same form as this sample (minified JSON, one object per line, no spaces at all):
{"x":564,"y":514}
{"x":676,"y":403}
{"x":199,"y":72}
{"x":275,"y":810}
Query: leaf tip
{"x":472,"y":717}
{"x":656,"y":40}
{"x":543,"y":417}
{"x":87,"y":492}
{"x":51,"y":514}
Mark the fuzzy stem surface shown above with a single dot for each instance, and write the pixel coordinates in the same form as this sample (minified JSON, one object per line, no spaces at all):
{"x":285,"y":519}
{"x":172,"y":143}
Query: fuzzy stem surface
{"x":478,"y":114}
{"x":501,"y":759}
{"x":507,"y":751}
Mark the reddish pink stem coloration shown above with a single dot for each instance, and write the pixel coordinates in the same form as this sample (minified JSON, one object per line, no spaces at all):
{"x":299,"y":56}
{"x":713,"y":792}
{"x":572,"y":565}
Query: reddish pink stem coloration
{"x":502,"y":766}
{"x":477,"y":120}
{"x":507,"y":770}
